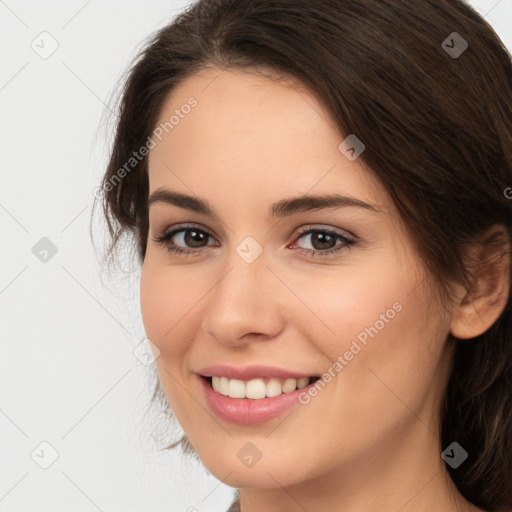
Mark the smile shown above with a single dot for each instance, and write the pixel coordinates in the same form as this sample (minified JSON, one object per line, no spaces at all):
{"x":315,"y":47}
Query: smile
{"x":258,"y":388}
{"x":253,"y":395}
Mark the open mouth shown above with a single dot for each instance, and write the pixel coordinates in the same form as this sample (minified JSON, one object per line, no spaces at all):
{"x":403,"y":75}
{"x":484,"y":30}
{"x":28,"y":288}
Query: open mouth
{"x":256,"y":389}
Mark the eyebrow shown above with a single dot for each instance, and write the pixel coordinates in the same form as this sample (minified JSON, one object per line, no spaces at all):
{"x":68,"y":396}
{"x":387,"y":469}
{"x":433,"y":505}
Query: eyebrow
{"x":282,"y":208}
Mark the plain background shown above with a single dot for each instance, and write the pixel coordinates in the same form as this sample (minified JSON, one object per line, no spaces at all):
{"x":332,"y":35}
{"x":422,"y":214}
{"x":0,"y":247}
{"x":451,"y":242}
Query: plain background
{"x":69,"y":371}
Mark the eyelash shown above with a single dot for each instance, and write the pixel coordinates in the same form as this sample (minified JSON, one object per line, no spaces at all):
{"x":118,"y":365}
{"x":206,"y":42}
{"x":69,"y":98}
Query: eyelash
{"x":165,"y":238}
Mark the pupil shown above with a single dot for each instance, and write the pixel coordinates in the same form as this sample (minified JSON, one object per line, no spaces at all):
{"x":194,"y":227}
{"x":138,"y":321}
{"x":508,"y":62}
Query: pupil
{"x":194,"y":237}
{"x":324,"y":239}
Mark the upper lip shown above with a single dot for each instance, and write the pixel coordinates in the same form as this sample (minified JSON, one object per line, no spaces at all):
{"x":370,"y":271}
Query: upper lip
{"x":250,"y":372}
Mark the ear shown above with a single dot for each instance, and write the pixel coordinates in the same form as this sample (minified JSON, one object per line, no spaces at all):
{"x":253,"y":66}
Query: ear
{"x":489,"y":263}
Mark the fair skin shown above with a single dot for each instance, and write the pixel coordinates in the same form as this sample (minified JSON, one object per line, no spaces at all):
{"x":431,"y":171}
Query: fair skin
{"x":368,"y":441}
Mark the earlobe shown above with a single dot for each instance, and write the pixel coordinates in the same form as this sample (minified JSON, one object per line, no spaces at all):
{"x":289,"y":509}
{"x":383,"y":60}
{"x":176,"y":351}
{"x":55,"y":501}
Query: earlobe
{"x":479,"y":309}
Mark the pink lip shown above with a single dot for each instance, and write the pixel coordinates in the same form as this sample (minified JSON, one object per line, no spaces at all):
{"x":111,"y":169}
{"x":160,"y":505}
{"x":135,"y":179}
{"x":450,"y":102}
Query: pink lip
{"x":250,"y":372}
{"x":246,"y":411}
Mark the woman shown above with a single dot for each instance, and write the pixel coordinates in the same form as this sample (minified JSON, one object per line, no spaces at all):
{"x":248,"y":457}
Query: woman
{"x":319,"y":193}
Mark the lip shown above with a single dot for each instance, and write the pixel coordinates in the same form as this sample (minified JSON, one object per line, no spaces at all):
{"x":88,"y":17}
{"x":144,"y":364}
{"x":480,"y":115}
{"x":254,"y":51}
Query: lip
{"x":251,"y":372}
{"x":246,"y":411}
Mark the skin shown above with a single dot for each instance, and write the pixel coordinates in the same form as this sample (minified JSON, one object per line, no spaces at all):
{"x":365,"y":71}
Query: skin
{"x":368,"y":441}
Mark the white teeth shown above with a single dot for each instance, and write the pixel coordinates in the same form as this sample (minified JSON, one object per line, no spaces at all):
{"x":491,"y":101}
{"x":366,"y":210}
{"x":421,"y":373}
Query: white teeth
{"x":273,"y":388}
{"x":236,"y":388}
{"x":257,"y":388}
{"x":224,"y":386}
{"x":221,"y":384}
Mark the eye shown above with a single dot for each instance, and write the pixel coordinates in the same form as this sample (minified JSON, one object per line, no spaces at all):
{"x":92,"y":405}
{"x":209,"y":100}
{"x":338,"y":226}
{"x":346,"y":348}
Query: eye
{"x":190,"y":240}
{"x":177,"y":240}
{"x":324,"y":241}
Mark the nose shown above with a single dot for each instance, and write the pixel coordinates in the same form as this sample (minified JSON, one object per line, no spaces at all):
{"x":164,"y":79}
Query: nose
{"x":246,"y":304}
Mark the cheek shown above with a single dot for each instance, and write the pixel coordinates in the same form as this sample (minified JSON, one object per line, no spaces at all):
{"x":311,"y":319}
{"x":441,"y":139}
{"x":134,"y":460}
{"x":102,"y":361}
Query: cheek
{"x":166,"y":301}
{"x":165,"y":298}
{"x":393,"y":355}
{"x":151,"y":302}
{"x":376,"y":321}
{"x":352,"y":300}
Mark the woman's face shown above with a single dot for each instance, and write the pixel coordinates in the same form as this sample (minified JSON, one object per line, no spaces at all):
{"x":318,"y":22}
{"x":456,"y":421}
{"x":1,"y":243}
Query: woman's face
{"x":272,"y":293}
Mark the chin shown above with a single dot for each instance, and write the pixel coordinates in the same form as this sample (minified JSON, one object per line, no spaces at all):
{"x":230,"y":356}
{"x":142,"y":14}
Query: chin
{"x":262,"y":474}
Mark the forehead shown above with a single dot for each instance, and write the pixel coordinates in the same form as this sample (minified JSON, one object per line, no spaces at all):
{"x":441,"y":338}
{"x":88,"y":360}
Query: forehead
{"x":255,"y":135}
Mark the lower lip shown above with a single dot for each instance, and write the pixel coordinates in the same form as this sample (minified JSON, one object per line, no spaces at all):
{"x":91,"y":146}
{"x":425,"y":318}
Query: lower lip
{"x":246,"y":411}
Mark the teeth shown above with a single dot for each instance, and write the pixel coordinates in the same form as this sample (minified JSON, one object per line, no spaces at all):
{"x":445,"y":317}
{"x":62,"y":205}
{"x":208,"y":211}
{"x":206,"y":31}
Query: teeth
{"x":223,"y":385}
{"x":257,"y":388}
{"x":289,"y":385}
{"x":236,"y":388}
{"x":273,"y":388}
{"x":302,"y":383}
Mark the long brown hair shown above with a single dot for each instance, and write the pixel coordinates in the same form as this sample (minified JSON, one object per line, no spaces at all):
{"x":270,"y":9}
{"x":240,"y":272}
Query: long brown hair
{"x":434,"y":110}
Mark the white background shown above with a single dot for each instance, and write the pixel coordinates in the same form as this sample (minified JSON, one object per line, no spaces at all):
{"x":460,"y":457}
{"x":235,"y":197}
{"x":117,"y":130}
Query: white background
{"x":68,"y":374}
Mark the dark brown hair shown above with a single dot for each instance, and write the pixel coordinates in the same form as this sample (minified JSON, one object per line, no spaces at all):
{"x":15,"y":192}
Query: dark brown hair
{"x":438,"y":134}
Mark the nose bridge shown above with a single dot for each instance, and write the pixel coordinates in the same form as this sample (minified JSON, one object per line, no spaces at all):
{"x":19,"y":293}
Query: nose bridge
{"x":241,"y":302}
{"x":246,"y":266}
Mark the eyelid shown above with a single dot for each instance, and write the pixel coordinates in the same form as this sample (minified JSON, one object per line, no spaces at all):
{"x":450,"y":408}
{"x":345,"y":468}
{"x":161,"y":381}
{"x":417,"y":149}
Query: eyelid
{"x":300,"y":231}
{"x":348,"y":238}
{"x":182,"y":227}
{"x":330,"y":229}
